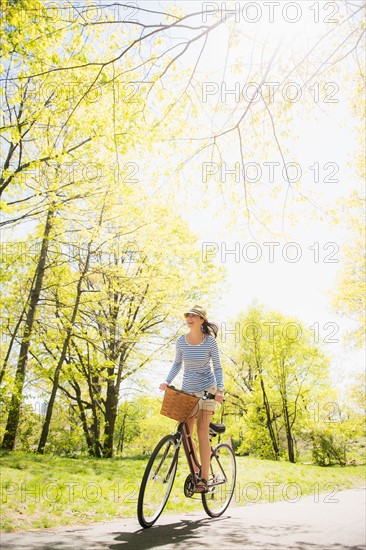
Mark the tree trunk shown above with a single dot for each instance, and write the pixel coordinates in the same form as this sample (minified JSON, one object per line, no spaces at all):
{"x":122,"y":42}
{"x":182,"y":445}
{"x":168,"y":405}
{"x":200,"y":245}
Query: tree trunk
{"x":56,"y":378}
{"x":12,"y":424}
{"x":290,"y":439}
{"x":111,"y":404}
{"x":272,"y":433}
{"x":13,"y":337}
{"x":94,"y":393}
{"x":121,"y":439}
{"x":84,"y":421}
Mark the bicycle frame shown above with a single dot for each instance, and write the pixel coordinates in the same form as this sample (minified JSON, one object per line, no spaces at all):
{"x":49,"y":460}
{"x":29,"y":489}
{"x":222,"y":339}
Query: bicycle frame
{"x":188,"y":448}
{"x":160,"y":472}
{"x":184,"y":435}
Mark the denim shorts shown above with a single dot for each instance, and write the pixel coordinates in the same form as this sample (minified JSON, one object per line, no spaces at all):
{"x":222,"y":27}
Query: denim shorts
{"x":208,"y":405}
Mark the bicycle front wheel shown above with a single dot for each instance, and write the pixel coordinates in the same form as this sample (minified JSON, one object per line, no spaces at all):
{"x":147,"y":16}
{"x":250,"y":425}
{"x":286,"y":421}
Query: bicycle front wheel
{"x":157,"y":481}
{"x":221,"y":480}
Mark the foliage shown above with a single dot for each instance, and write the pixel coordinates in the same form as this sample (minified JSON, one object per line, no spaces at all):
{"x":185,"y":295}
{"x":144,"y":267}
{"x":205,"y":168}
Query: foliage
{"x":275,"y":371}
{"x":90,"y":294}
{"x":94,"y":296}
{"x":349,"y":296}
{"x":338,"y":436}
{"x":338,"y":443}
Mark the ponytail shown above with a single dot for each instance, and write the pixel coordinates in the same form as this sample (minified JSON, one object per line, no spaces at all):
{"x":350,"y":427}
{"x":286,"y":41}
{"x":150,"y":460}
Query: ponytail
{"x":210,"y":328}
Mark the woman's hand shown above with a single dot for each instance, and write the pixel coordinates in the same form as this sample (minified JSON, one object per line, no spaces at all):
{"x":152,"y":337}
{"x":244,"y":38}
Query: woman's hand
{"x":219,"y":397}
{"x":163,"y":386}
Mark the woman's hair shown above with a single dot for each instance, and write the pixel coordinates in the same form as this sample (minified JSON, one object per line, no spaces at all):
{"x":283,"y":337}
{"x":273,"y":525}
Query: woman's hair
{"x":210,"y":328}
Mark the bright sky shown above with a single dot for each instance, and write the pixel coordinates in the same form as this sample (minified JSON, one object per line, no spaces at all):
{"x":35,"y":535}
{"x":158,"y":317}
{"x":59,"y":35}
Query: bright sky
{"x":325,"y":134}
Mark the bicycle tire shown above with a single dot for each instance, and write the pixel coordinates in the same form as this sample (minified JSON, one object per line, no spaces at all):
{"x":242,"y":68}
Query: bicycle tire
{"x":221,"y":481}
{"x":163,"y":461}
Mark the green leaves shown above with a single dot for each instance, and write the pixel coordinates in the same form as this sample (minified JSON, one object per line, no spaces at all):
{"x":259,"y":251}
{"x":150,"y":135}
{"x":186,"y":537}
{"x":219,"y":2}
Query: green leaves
{"x":275,"y":370}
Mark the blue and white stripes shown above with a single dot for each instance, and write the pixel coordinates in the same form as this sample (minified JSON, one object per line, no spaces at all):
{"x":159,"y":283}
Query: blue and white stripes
{"x":197,"y":374}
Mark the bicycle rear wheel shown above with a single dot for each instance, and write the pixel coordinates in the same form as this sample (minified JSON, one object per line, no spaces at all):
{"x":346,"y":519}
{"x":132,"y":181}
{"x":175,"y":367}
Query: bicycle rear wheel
{"x":157,"y":481}
{"x":221,"y":480}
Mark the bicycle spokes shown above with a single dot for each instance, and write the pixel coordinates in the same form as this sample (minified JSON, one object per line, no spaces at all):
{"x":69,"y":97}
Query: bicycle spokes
{"x":157,"y":481}
{"x":160,"y":472}
{"x":221,"y":481}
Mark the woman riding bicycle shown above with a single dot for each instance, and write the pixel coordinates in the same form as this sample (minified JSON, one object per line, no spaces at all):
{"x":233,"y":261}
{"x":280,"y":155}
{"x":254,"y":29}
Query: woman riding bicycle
{"x":195,"y":349}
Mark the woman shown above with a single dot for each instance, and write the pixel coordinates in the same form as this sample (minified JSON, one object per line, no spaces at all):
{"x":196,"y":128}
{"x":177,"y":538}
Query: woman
{"x":195,"y":349}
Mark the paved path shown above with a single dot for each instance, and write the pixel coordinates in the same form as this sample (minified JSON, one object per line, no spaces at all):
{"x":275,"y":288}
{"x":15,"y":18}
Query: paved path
{"x":338,"y":524}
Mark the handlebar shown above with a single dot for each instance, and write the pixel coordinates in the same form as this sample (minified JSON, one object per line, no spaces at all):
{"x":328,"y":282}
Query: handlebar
{"x":206,"y":395}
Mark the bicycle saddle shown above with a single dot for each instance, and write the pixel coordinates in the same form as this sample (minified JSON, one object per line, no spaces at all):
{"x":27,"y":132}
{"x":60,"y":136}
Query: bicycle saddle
{"x":218,"y":428}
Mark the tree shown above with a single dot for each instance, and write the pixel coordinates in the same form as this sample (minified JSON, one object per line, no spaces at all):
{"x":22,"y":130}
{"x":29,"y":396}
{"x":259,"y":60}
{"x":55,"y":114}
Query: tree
{"x":102,"y":301}
{"x":349,"y":297}
{"x":29,"y":315}
{"x":70,"y":129}
{"x":62,"y":358}
{"x":128,"y":308}
{"x":155,"y":44}
{"x":32,"y":139}
{"x":273,"y":369}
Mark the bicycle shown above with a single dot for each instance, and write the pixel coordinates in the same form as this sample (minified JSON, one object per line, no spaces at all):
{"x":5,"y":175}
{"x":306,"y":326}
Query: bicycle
{"x":159,"y":475}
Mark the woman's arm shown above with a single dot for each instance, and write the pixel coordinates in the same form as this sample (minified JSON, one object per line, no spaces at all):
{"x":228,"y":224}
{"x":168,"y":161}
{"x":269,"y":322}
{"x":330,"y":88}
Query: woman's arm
{"x":177,"y":365}
{"x":215,"y":356}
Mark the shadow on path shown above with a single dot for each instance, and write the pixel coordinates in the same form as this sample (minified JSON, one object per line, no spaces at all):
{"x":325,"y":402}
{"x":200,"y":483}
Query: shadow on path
{"x":304,"y":525}
{"x":213,"y":533}
{"x":223,"y":533}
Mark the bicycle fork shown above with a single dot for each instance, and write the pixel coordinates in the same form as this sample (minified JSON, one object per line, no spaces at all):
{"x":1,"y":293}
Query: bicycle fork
{"x":175,"y":458}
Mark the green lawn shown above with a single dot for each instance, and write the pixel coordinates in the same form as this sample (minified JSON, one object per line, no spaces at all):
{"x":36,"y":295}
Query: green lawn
{"x":44,"y":491}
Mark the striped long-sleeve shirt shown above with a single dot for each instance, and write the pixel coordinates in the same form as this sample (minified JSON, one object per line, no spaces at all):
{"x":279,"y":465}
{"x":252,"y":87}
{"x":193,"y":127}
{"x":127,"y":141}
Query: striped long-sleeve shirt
{"x":198,"y":374}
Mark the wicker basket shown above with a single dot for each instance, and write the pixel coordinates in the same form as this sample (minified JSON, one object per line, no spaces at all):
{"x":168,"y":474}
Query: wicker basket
{"x":178,"y":404}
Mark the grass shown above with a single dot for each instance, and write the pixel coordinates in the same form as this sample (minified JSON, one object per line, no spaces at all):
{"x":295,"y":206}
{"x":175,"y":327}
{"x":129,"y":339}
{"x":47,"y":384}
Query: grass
{"x":45,"y":491}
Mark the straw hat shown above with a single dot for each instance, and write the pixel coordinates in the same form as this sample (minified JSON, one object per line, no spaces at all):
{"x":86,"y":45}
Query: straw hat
{"x":197,"y":310}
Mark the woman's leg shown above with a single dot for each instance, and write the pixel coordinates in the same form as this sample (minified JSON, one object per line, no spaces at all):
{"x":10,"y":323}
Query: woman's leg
{"x":203,"y":421}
